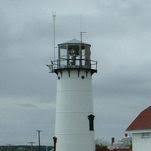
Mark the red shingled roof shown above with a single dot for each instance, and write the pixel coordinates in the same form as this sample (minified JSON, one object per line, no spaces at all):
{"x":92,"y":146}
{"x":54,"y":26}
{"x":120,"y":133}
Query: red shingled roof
{"x":142,"y":122}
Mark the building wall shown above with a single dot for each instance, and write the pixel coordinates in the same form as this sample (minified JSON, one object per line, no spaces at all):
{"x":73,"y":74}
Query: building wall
{"x":141,"y":142}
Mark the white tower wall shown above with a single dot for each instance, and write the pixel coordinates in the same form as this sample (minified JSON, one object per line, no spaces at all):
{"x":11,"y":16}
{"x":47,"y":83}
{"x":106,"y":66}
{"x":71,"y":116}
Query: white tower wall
{"x":74,"y":104}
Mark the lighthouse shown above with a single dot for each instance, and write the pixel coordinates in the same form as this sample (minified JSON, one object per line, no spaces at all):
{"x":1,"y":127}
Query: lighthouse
{"x":74,"y":123}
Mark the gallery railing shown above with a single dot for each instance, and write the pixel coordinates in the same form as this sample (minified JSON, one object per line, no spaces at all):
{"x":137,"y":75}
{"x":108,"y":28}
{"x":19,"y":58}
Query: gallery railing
{"x":64,"y":63}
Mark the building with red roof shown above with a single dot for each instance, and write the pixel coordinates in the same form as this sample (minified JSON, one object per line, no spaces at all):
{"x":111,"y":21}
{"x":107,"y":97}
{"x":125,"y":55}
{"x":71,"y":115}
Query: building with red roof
{"x":141,"y":131}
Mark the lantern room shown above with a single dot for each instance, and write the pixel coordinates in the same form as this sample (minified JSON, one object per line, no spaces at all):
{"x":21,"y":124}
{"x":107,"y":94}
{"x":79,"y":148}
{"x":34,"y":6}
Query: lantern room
{"x":74,"y":54}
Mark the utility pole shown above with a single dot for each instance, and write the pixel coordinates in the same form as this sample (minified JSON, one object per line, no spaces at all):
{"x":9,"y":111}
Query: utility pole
{"x":38,"y":131}
{"x":54,"y":141}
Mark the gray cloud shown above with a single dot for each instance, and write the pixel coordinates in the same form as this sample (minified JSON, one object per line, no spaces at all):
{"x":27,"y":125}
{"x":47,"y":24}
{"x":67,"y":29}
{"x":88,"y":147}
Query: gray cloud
{"x":119,"y":32}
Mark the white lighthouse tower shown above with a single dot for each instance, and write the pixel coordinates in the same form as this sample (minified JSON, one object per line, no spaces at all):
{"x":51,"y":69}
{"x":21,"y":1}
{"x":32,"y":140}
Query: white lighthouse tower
{"x":74,"y":128}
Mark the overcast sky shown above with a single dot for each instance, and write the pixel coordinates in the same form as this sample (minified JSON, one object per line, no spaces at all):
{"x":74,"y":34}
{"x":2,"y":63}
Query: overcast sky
{"x":120,"y":34}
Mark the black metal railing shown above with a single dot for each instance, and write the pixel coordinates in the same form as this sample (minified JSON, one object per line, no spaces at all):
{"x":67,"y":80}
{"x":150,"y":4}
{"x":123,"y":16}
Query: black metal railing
{"x":64,"y":63}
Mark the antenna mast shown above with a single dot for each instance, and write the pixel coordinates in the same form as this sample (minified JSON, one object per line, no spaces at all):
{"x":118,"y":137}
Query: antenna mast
{"x":81,"y":32}
{"x":54,"y":33}
{"x":81,"y":35}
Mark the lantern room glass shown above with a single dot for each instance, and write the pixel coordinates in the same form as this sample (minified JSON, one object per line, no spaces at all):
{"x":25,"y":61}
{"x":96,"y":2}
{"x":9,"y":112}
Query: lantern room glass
{"x":74,"y":56}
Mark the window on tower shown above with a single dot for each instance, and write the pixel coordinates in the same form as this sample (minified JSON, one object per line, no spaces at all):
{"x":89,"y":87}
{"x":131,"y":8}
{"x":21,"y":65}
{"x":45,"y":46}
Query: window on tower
{"x":91,"y":122}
